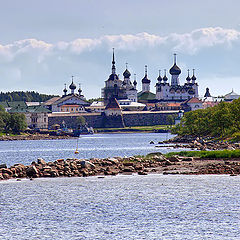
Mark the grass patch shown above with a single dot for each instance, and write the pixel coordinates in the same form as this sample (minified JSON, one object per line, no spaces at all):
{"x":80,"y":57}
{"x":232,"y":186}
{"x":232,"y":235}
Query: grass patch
{"x":218,"y":154}
{"x":136,"y":128}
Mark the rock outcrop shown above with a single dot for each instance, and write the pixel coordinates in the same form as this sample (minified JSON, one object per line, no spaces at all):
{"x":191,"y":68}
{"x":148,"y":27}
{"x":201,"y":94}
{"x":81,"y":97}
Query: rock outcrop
{"x":156,"y":163}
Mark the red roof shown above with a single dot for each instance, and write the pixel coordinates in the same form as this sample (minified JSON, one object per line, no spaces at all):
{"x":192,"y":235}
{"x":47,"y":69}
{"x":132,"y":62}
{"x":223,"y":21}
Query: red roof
{"x":113,"y":104}
{"x":193,"y":100}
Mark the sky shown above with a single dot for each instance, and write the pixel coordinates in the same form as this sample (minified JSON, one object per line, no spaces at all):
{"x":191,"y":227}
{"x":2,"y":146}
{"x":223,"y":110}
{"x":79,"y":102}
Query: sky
{"x":44,"y":43}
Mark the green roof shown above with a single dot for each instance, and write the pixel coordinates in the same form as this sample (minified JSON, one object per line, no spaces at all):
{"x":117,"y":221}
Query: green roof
{"x":30,"y":109}
{"x":146,"y":96}
{"x":14,"y":104}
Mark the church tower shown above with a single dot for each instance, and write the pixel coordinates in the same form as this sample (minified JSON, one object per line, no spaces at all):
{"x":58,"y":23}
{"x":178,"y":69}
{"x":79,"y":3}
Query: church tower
{"x":175,"y":71}
{"x":146,"y":82}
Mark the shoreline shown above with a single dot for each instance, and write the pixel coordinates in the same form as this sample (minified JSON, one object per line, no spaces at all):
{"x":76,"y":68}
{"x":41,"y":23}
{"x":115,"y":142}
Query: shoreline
{"x":152,"y":163}
{"x":54,"y":137}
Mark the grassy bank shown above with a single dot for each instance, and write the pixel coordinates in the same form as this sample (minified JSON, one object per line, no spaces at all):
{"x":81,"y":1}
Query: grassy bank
{"x":155,"y":128}
{"x":218,"y":154}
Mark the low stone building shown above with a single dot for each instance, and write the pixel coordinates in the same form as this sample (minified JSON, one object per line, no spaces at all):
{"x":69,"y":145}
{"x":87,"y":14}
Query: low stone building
{"x":36,"y":116}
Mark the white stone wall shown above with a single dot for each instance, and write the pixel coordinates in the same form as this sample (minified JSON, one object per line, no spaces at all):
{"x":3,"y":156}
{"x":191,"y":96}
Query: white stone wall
{"x":145,"y":87}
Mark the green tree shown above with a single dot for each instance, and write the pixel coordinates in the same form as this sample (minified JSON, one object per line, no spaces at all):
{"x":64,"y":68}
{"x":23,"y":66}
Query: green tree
{"x":18,"y":122}
{"x":80,"y":121}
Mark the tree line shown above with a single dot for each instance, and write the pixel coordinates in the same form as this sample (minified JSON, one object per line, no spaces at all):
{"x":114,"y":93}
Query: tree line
{"x":28,"y":96}
{"x":222,"y":121}
{"x":12,"y":123}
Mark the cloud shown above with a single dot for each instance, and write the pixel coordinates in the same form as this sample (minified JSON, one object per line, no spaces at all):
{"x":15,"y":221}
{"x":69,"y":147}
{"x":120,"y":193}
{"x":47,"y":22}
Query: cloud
{"x":35,"y":64}
{"x":190,"y":42}
{"x":204,"y":38}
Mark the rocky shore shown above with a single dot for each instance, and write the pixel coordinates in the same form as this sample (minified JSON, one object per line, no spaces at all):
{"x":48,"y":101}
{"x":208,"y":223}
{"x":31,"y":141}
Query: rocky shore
{"x":33,"y":137}
{"x":197,"y":143}
{"x":154,"y":163}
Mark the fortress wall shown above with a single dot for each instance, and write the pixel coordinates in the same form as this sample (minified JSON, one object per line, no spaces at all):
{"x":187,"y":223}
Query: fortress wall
{"x":95,"y":121}
{"x":146,"y":119}
{"x":101,"y":121}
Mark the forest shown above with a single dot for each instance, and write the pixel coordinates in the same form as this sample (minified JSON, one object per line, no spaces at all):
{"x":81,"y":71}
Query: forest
{"x":221,"y":121}
{"x":28,"y":96}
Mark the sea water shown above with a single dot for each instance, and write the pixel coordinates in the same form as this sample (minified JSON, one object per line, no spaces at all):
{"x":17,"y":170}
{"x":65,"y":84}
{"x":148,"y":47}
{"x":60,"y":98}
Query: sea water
{"x":121,"y":207}
{"x":89,"y":146}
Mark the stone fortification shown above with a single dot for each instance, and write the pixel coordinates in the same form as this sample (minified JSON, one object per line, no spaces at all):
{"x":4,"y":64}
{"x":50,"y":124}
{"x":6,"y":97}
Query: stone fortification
{"x":146,"y":118}
{"x":98,"y":120}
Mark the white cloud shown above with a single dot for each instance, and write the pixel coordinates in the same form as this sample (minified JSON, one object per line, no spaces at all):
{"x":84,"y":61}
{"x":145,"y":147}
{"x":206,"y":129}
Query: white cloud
{"x":35,"y":63}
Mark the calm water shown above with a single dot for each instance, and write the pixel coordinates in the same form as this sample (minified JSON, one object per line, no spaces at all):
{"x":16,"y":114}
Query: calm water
{"x":121,"y":207}
{"x":98,"y":145}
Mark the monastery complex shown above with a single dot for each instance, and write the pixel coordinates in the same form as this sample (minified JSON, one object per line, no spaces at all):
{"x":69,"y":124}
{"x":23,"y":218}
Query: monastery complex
{"x":122,"y":104}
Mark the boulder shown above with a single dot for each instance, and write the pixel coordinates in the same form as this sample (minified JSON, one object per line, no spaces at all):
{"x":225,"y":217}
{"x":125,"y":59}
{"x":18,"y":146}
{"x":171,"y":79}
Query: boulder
{"x":87,"y":164}
{"x":4,"y":165}
{"x":41,"y":161}
{"x":7,"y":171}
{"x":31,"y":171}
{"x":113,"y":160}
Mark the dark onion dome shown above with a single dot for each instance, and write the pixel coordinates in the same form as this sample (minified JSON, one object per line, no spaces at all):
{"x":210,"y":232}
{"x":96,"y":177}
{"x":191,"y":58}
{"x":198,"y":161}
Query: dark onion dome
{"x":175,"y":70}
{"x":159,"y":78}
{"x":64,"y":90}
{"x":113,"y":77}
{"x":80,"y":90}
{"x":126,"y":74}
{"x":135,"y":82}
{"x":188,"y":78}
{"x":194,"y":78}
{"x":165,"y":78}
{"x":72,"y":86}
{"x":145,"y":79}
{"x":207,"y":93}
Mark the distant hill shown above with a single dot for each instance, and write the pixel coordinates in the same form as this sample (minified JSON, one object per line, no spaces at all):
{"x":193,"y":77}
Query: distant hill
{"x":29,"y":96}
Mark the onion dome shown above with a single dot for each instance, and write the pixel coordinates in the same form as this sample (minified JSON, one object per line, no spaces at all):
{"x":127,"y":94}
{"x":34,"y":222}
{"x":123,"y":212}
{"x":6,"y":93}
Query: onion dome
{"x":126,"y":74}
{"x":65,"y":90}
{"x":159,"y":77}
{"x":175,"y":70}
{"x":145,"y":79}
{"x":113,"y":77}
{"x":134,"y":82}
{"x":165,"y":77}
{"x":207,"y":93}
{"x":80,"y":90}
{"x":72,"y":85}
{"x":188,"y":78}
{"x":193,"y":76}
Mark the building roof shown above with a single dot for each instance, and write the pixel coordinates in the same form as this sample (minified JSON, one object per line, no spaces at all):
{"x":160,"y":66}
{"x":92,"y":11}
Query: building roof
{"x":7,"y":104}
{"x":146,"y":96}
{"x":193,"y":100}
{"x":51,"y":101}
{"x":30,"y":109}
{"x":232,"y":95}
{"x":65,"y":98}
{"x":113,"y":104}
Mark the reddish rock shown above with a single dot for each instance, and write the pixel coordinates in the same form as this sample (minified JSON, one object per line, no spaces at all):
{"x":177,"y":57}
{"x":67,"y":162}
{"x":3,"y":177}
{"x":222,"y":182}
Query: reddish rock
{"x":41,"y":161}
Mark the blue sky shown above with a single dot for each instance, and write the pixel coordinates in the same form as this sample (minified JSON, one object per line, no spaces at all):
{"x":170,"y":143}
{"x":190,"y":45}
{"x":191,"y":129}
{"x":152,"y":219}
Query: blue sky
{"x":43,"y":43}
